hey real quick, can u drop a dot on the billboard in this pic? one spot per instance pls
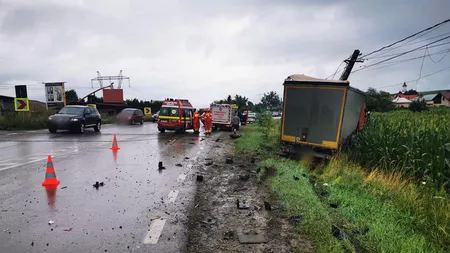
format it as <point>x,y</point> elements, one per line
<point>55,95</point>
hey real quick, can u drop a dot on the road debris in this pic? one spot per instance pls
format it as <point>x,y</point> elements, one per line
<point>186,158</point>
<point>209,163</point>
<point>64,187</point>
<point>199,178</point>
<point>156,218</point>
<point>242,204</point>
<point>160,166</point>
<point>50,222</point>
<point>228,235</point>
<point>209,221</point>
<point>179,165</point>
<point>67,229</point>
<point>338,233</point>
<point>97,185</point>
<point>251,238</point>
<point>229,160</point>
<point>244,177</point>
<point>296,219</point>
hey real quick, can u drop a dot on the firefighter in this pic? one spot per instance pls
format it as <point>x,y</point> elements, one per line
<point>196,122</point>
<point>208,121</point>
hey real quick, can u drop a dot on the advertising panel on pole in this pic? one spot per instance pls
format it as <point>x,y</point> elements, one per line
<point>55,95</point>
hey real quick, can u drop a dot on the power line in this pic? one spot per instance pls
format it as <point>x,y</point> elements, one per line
<point>439,59</point>
<point>388,64</point>
<point>407,52</point>
<point>407,44</point>
<point>392,85</point>
<point>424,30</point>
<point>335,72</point>
<point>389,55</point>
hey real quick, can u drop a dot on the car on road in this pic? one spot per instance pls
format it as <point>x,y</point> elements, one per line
<point>75,118</point>
<point>131,116</point>
<point>155,117</point>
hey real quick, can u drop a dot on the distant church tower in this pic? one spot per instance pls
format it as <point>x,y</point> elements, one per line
<point>404,88</point>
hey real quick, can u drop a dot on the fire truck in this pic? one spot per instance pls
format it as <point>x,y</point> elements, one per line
<point>176,115</point>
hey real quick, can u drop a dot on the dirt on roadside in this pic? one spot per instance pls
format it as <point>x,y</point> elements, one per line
<point>217,224</point>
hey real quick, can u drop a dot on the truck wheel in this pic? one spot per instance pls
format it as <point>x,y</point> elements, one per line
<point>162,130</point>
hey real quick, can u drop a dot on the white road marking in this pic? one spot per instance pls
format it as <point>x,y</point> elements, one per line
<point>172,196</point>
<point>32,161</point>
<point>155,232</point>
<point>181,178</point>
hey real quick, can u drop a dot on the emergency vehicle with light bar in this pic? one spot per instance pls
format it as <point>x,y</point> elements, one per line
<point>176,115</point>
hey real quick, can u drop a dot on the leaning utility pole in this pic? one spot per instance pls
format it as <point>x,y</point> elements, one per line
<point>350,63</point>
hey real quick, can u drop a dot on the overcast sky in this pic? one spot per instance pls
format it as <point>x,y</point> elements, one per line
<point>204,50</point>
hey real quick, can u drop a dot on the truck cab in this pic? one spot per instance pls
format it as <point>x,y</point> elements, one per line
<point>175,115</point>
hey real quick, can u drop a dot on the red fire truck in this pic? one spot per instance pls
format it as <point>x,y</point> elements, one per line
<point>175,114</point>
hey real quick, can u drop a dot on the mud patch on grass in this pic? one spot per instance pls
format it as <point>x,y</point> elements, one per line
<point>217,197</point>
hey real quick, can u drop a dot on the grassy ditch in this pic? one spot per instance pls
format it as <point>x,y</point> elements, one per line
<point>377,211</point>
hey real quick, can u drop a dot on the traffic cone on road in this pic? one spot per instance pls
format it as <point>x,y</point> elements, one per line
<point>50,175</point>
<point>114,144</point>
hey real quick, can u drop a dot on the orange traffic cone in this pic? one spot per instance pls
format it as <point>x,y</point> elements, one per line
<point>114,144</point>
<point>50,175</point>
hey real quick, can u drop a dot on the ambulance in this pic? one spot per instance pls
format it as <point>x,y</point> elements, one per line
<point>175,115</point>
<point>222,115</point>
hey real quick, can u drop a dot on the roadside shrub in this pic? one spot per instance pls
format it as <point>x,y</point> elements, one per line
<point>418,105</point>
<point>25,120</point>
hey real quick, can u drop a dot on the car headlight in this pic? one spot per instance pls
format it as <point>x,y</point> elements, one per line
<point>74,119</point>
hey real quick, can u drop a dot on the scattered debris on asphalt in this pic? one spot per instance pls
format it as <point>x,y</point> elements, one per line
<point>155,218</point>
<point>64,187</point>
<point>160,166</point>
<point>242,204</point>
<point>209,163</point>
<point>296,219</point>
<point>50,222</point>
<point>253,160</point>
<point>257,208</point>
<point>251,238</point>
<point>218,140</point>
<point>186,158</point>
<point>234,136</point>
<point>229,160</point>
<point>97,185</point>
<point>199,178</point>
<point>228,235</point>
<point>67,229</point>
<point>192,143</point>
<point>179,165</point>
<point>209,221</point>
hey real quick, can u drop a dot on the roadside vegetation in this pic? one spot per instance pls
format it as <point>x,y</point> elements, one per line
<point>34,120</point>
<point>389,198</point>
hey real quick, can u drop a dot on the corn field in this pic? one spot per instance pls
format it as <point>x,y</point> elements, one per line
<point>416,143</point>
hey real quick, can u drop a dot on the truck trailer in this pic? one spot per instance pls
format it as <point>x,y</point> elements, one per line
<point>319,115</point>
<point>222,115</point>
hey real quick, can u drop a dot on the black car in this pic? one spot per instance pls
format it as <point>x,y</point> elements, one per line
<point>75,118</point>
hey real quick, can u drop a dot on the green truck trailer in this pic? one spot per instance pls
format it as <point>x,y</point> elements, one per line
<point>319,115</point>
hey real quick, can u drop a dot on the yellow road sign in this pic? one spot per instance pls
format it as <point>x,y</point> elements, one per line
<point>147,111</point>
<point>21,104</point>
<point>92,105</point>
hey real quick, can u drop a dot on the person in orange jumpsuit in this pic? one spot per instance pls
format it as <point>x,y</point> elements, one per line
<point>208,121</point>
<point>196,122</point>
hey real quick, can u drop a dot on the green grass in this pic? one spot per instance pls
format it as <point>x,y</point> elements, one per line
<point>299,198</point>
<point>380,210</point>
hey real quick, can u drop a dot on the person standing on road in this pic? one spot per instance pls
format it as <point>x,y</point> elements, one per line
<point>235,121</point>
<point>208,121</point>
<point>196,122</point>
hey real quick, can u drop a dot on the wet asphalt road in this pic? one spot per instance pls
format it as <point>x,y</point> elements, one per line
<point>118,217</point>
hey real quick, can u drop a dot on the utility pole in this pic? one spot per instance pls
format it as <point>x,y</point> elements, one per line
<point>350,63</point>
